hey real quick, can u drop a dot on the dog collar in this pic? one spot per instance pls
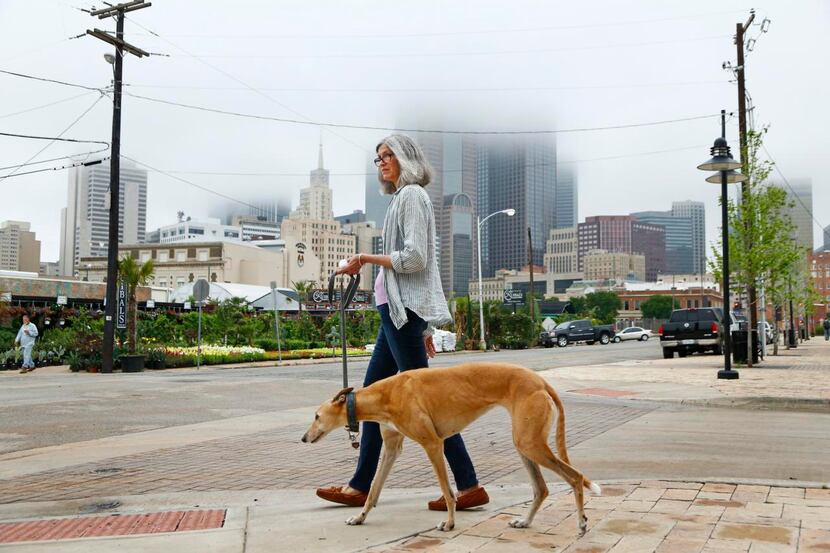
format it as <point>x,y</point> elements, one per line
<point>351,413</point>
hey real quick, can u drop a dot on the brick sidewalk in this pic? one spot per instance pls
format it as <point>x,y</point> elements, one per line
<point>791,374</point>
<point>654,516</point>
<point>276,459</point>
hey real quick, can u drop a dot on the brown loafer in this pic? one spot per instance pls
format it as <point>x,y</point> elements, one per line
<point>473,498</point>
<point>335,495</point>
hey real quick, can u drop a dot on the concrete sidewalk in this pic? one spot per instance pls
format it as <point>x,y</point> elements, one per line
<point>796,378</point>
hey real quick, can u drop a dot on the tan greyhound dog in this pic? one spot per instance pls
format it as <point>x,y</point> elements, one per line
<point>429,405</point>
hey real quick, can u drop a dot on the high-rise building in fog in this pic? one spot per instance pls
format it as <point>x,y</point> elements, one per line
<point>316,199</point>
<point>679,239</point>
<point>800,196</point>
<point>827,238</point>
<point>85,219</point>
<point>566,198</point>
<point>696,212</point>
<point>517,173</point>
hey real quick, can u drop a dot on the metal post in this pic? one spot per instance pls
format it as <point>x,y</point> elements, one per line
<point>199,338</point>
<point>726,372</point>
<point>277,322</point>
<point>482,344</point>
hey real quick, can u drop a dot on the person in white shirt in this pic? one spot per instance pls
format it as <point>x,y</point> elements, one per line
<point>26,338</point>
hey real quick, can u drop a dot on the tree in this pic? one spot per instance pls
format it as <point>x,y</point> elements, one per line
<point>658,307</point>
<point>761,244</point>
<point>604,306</point>
<point>134,275</point>
<point>302,287</point>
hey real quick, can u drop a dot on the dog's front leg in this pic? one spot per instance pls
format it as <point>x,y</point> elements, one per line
<point>392,446</point>
<point>435,452</point>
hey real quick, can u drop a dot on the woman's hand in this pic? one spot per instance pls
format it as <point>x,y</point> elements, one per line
<point>430,345</point>
<point>352,266</point>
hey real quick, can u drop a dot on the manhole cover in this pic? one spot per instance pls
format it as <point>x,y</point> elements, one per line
<point>99,507</point>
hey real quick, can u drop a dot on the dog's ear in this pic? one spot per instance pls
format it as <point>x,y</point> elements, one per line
<point>341,395</point>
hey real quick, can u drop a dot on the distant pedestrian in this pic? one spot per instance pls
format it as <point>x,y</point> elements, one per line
<point>827,327</point>
<point>26,338</point>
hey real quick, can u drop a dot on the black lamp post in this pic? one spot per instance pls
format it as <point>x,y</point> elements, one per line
<point>725,165</point>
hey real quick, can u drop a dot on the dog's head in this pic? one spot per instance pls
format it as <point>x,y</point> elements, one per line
<point>329,415</point>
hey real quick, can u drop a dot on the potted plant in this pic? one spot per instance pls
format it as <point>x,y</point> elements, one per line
<point>155,358</point>
<point>133,275</point>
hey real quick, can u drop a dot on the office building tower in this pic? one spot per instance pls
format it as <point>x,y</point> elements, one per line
<point>800,197</point>
<point>85,219</point>
<point>679,239</point>
<point>566,198</point>
<point>622,233</point>
<point>316,199</point>
<point>696,212</point>
<point>520,174</point>
<point>19,248</point>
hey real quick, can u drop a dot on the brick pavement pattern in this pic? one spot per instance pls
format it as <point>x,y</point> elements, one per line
<point>277,460</point>
<point>653,516</point>
<point>112,525</point>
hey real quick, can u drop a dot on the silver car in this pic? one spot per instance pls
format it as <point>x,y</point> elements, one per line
<point>632,333</point>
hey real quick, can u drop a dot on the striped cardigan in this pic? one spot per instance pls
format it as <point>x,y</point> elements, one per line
<point>409,239</point>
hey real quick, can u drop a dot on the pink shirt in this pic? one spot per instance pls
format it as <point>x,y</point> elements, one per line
<point>380,289</point>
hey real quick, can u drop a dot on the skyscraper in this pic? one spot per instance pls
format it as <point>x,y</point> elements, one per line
<point>679,239</point>
<point>376,201</point>
<point>696,211</point>
<point>800,196</point>
<point>518,174</point>
<point>566,198</point>
<point>827,238</point>
<point>315,200</point>
<point>85,219</point>
<point>622,233</point>
<point>19,249</point>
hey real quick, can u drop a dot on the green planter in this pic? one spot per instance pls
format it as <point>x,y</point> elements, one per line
<point>132,363</point>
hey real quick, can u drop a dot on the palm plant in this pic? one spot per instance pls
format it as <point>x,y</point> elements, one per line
<point>134,275</point>
<point>302,287</point>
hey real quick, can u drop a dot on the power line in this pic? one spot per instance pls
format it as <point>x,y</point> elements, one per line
<point>50,104</point>
<point>414,130</point>
<point>85,155</point>
<point>467,33</point>
<point>55,81</point>
<point>70,166</point>
<point>435,90</point>
<point>797,197</point>
<point>54,139</point>
<point>191,183</point>
<point>375,55</point>
<point>444,171</point>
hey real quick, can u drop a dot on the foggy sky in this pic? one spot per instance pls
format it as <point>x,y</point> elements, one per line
<point>553,65</point>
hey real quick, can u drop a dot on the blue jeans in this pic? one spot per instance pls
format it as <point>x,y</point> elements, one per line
<point>827,334</point>
<point>401,350</point>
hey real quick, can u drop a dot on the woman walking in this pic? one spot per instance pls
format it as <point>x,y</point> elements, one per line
<point>410,299</point>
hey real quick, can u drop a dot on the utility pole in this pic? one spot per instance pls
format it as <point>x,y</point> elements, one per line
<point>740,29</point>
<point>118,12</point>
<point>530,266</point>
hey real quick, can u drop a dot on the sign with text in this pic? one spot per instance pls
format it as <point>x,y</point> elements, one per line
<point>514,296</point>
<point>121,316</point>
<point>62,300</point>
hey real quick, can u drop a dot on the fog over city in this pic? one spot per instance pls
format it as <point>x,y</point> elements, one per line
<point>455,66</point>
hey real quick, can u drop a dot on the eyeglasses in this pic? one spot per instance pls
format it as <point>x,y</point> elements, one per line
<point>385,158</point>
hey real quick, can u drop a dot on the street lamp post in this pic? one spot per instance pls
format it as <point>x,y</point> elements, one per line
<point>482,344</point>
<point>725,165</point>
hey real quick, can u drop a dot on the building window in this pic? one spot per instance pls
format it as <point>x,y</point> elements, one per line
<point>164,257</point>
<point>144,256</point>
<point>202,255</point>
<point>181,256</point>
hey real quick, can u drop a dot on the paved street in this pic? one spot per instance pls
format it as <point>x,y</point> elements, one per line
<point>227,439</point>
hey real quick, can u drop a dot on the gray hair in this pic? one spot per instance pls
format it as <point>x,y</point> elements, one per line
<point>415,169</point>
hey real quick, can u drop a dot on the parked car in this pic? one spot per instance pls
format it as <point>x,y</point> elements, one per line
<point>632,333</point>
<point>571,332</point>
<point>692,330</point>
<point>768,332</point>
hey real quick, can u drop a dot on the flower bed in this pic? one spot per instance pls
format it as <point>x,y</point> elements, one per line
<point>211,355</point>
<point>317,353</point>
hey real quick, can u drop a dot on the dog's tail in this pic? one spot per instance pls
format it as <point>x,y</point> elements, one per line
<point>561,447</point>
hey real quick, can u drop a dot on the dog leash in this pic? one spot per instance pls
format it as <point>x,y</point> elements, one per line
<point>346,297</point>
